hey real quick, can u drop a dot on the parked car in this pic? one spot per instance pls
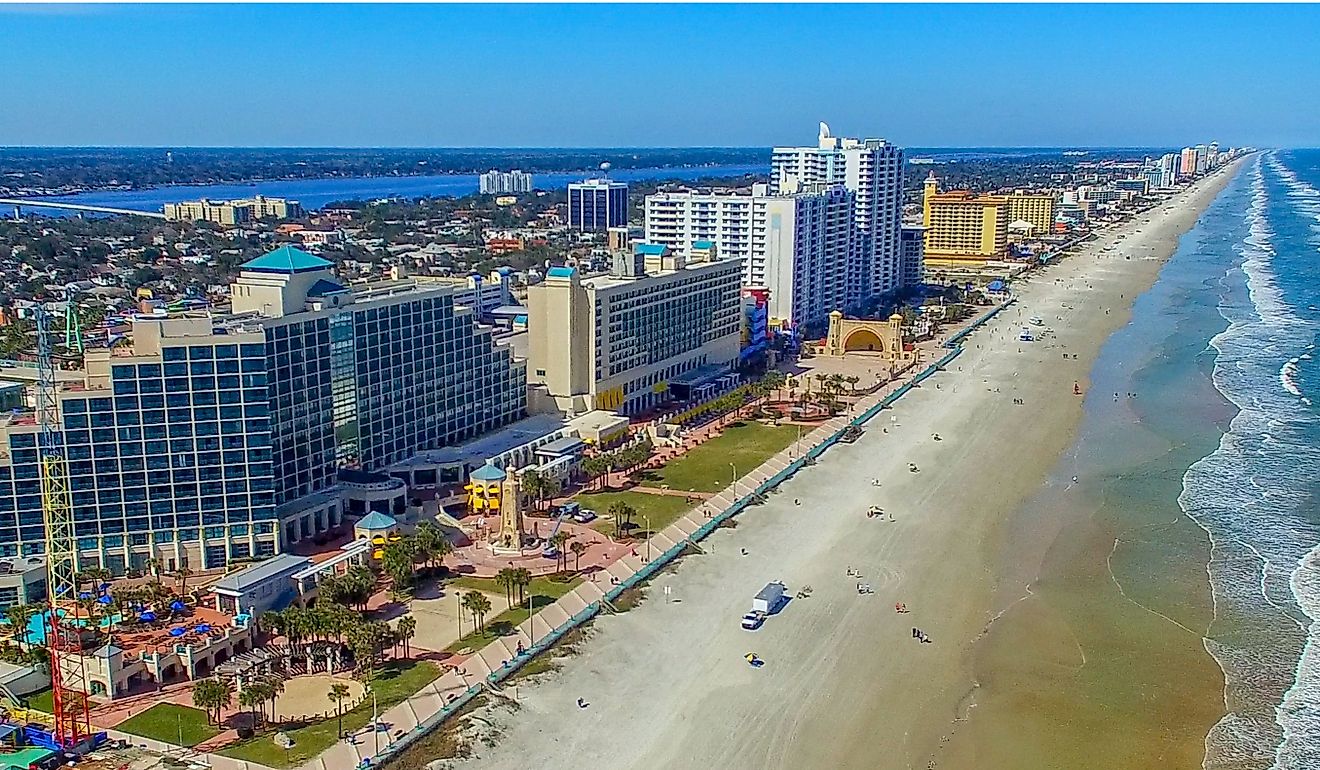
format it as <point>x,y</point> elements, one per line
<point>584,516</point>
<point>753,620</point>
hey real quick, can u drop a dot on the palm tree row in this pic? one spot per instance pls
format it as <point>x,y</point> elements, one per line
<point>477,606</point>
<point>514,580</point>
<point>626,459</point>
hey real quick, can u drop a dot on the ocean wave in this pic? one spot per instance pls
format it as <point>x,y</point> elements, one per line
<point>1246,495</point>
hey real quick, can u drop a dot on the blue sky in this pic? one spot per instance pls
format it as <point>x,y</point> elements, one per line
<point>641,75</point>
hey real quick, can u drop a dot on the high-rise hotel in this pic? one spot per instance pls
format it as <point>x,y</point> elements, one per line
<point>207,438</point>
<point>872,169</point>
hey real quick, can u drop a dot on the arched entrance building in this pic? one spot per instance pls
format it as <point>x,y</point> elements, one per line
<point>880,339</point>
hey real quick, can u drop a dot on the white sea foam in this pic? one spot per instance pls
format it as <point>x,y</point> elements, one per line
<point>1246,495</point>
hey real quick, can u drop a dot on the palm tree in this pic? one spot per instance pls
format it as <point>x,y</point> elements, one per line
<point>558,541</point>
<point>406,628</point>
<point>272,687</point>
<point>213,696</point>
<point>250,698</point>
<point>623,514</point>
<point>397,561</point>
<point>18,616</point>
<point>522,579</point>
<point>506,580</point>
<point>182,574</point>
<point>534,485</point>
<point>467,603</point>
<point>479,605</point>
<point>338,692</point>
<point>427,542</point>
<point>578,549</point>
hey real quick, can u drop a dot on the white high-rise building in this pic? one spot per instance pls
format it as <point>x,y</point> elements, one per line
<point>801,247</point>
<point>1170,168</point>
<point>499,182</point>
<point>873,170</point>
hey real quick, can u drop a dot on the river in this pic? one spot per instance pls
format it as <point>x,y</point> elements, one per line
<point>315,193</point>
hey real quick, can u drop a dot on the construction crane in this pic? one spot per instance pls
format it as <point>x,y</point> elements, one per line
<point>68,673</point>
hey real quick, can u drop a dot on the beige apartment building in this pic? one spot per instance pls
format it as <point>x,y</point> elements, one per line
<point>234,212</point>
<point>657,327</point>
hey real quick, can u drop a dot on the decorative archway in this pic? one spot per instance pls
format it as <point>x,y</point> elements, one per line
<point>863,339</point>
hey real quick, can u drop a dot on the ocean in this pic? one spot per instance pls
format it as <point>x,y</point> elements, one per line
<point>1256,494</point>
<point>1204,409</point>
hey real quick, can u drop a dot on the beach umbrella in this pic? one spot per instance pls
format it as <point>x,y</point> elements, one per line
<point>178,606</point>
<point>85,595</point>
<point>178,631</point>
<point>202,628</point>
<point>105,587</point>
<point>105,600</point>
<point>147,616</point>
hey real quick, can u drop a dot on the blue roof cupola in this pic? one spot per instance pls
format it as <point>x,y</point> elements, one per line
<point>287,259</point>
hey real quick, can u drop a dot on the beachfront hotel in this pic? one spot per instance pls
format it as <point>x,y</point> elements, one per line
<point>1036,209</point>
<point>872,169</point>
<point>800,246</point>
<point>208,437</point>
<point>656,327</point>
<point>963,228</point>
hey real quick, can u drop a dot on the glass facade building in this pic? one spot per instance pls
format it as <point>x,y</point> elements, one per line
<point>211,438</point>
<point>597,204</point>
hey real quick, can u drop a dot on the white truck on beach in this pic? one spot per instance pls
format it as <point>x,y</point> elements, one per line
<point>766,601</point>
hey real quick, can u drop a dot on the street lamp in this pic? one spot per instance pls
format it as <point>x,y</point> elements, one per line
<point>734,468</point>
<point>649,533</point>
<point>375,724</point>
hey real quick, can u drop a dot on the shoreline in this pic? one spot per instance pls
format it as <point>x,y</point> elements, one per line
<point>670,673</point>
<point>1121,586</point>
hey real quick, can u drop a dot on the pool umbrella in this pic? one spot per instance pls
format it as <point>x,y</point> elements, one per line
<point>105,600</point>
<point>202,628</point>
<point>178,606</point>
<point>178,631</point>
<point>147,616</point>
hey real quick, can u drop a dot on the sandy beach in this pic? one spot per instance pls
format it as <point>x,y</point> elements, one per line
<point>845,684</point>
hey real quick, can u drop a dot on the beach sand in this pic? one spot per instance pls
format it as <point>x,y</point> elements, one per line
<point>845,685</point>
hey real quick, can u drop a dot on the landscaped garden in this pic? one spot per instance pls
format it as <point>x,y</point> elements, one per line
<point>662,510</point>
<point>171,723</point>
<point>711,466</point>
<point>392,683</point>
<point>520,600</point>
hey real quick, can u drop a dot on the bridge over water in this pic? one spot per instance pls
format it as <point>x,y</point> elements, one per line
<point>36,203</point>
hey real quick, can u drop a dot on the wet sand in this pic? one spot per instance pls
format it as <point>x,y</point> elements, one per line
<point>845,685</point>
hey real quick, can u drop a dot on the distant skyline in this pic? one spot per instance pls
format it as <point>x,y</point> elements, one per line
<point>653,76</point>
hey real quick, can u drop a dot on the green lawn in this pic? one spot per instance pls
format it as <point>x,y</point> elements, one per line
<point>171,723</point>
<point>43,701</point>
<point>394,683</point>
<point>663,510</point>
<point>706,468</point>
<point>541,592</point>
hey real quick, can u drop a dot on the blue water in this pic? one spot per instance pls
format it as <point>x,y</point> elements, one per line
<point>1256,494</point>
<point>315,193</point>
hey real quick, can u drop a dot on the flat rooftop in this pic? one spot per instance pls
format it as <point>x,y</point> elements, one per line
<point>480,449</point>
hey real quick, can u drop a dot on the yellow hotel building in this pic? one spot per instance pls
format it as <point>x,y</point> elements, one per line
<point>1038,209</point>
<point>963,229</point>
